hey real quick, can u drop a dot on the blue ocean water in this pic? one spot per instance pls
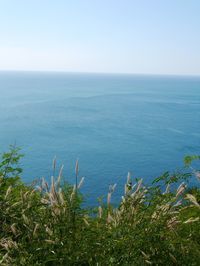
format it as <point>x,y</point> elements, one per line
<point>112,123</point>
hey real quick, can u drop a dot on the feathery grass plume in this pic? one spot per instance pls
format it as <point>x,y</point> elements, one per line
<point>77,172</point>
<point>139,185</point>
<point>32,192</point>
<point>54,166</point>
<point>59,176</point>
<point>25,218</point>
<point>44,201</point>
<point>123,199</point>
<point>35,229</point>
<point>197,175</point>
<point>53,193</point>
<point>100,211</point>
<point>167,190</point>
<point>13,229</point>
<point>145,255</point>
<point>49,231</point>
<point>180,189</point>
<point>112,188</point>
<point>8,191</point>
<point>110,191</point>
<point>6,260</point>
<point>39,188</point>
<point>81,182</point>
<point>73,193</point>
<point>173,258</point>
<point>26,194</point>
<point>192,199</point>
<point>192,220</point>
<point>85,219</point>
<point>160,210</point>
<point>172,223</point>
<point>178,203</point>
<point>8,244</point>
<point>109,198</point>
<point>128,185</point>
<point>61,197</point>
<point>109,218</point>
<point>43,184</point>
<point>128,178</point>
<point>148,262</point>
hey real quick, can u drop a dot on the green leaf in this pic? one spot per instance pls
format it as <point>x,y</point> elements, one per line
<point>189,159</point>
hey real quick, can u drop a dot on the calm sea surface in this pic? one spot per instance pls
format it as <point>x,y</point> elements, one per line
<point>112,123</point>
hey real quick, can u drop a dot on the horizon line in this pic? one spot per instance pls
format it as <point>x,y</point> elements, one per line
<point>100,73</point>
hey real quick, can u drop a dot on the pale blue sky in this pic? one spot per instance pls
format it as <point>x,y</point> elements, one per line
<point>127,36</point>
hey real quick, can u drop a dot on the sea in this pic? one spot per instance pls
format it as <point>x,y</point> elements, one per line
<point>112,123</point>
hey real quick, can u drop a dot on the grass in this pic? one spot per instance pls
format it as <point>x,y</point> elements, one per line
<point>45,224</point>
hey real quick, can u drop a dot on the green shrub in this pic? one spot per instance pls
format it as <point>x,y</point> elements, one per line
<point>47,225</point>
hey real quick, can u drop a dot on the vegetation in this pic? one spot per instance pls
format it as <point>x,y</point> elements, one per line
<point>47,225</point>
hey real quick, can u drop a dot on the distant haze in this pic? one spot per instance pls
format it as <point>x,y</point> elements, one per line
<point>110,36</point>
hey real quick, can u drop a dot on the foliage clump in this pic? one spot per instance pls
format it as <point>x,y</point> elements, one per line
<point>47,225</point>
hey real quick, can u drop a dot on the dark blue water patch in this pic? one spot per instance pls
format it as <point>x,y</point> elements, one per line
<point>112,123</point>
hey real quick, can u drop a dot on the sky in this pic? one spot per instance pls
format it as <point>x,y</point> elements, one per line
<point>109,36</point>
